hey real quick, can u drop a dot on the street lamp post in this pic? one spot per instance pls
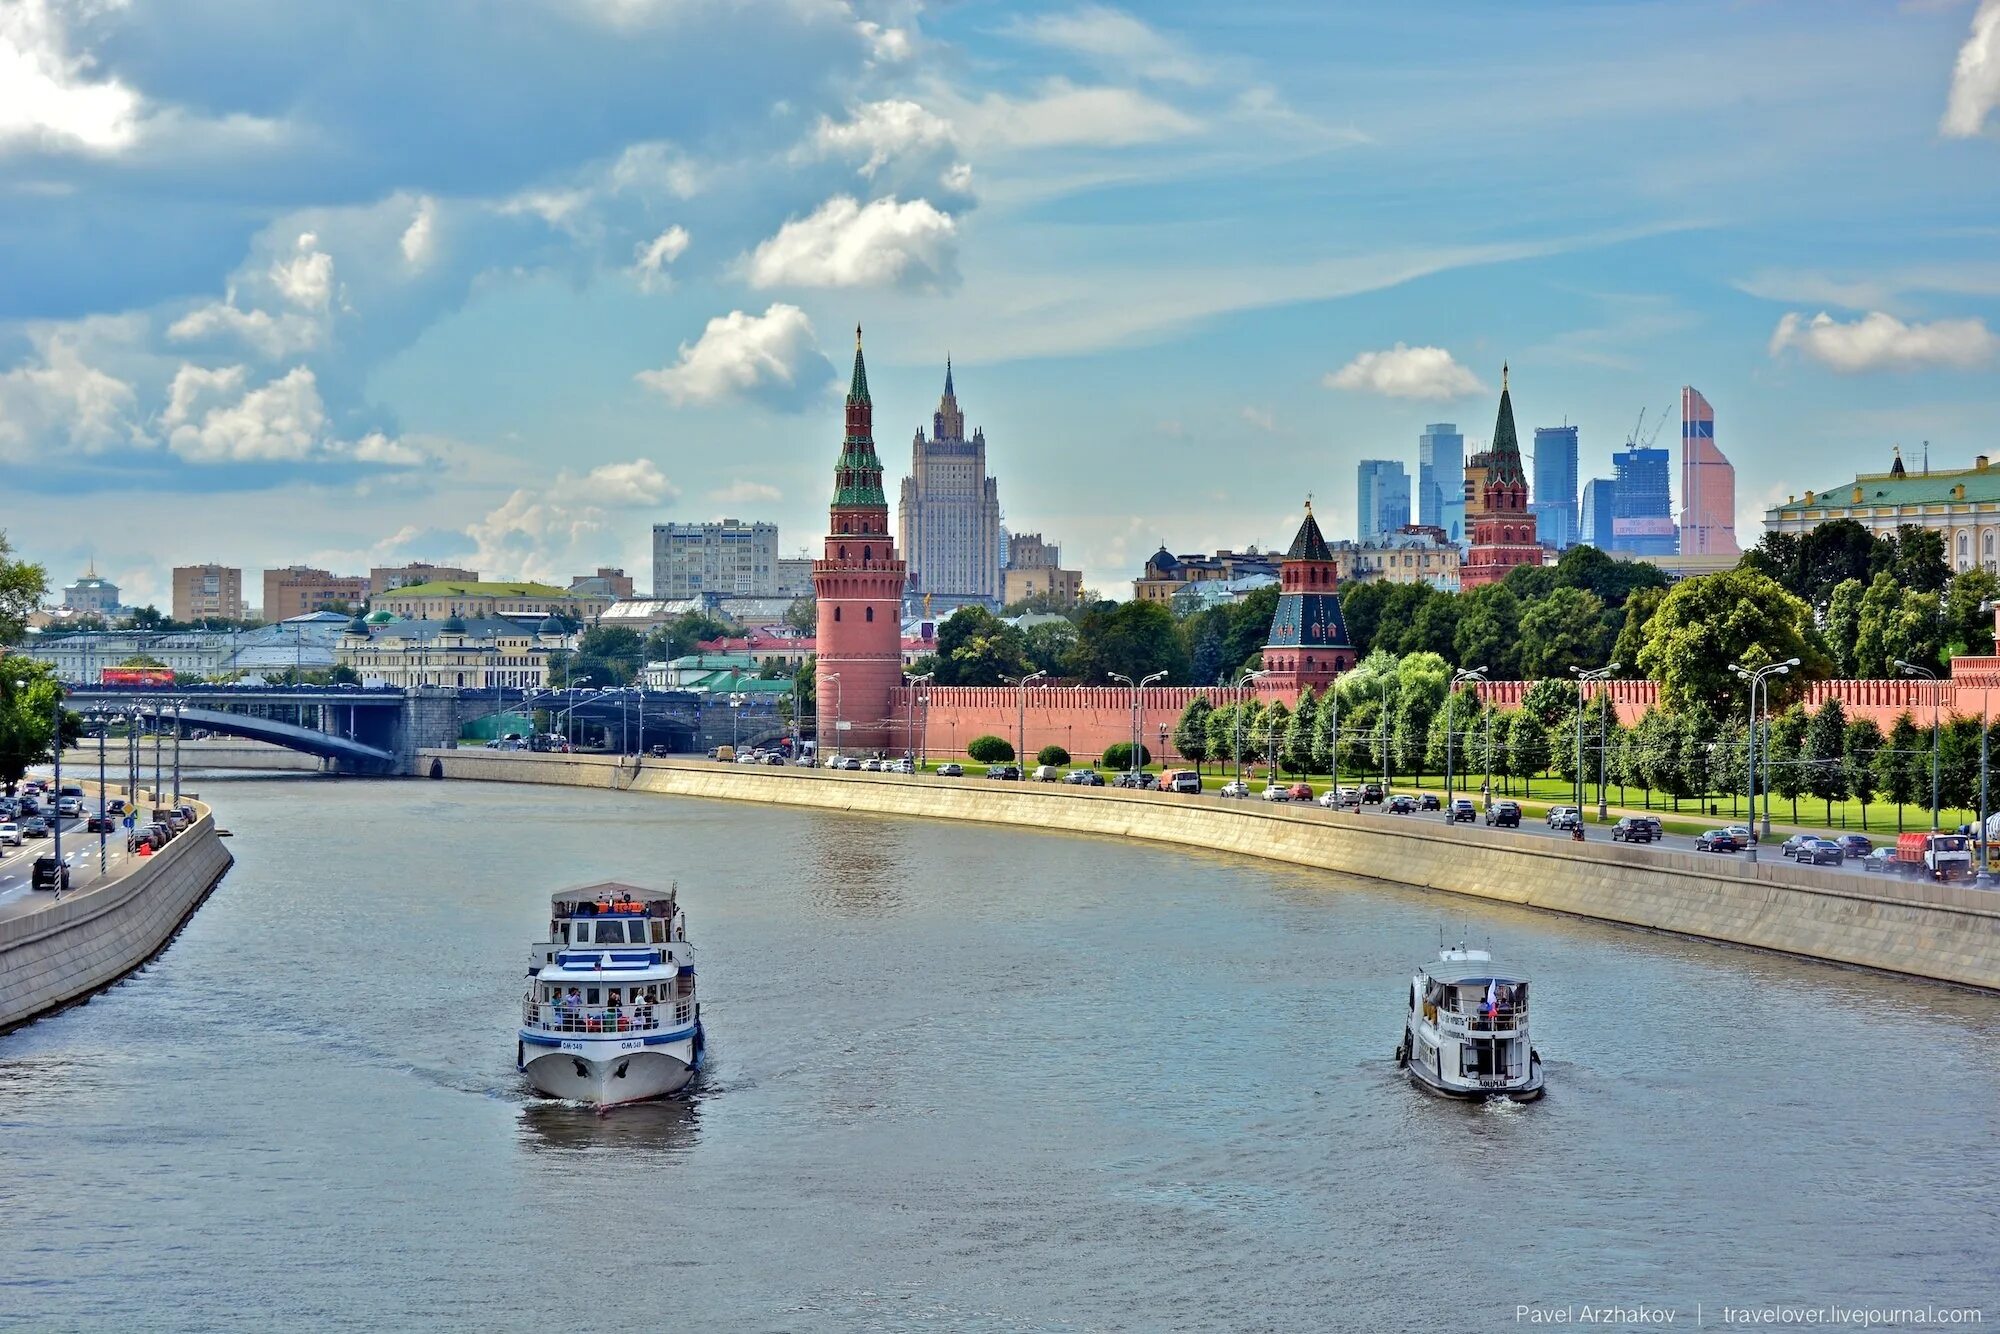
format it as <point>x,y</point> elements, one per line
<point>910,717</point>
<point>103,825</point>
<point>177,750</point>
<point>1599,675</point>
<point>1382,733</point>
<point>1760,679</point>
<point>1237,731</point>
<point>1937,735</point>
<point>1138,745</point>
<point>735,706</point>
<point>1463,676</point>
<point>1021,716</point>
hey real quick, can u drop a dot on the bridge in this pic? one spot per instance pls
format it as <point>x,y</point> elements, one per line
<point>379,730</point>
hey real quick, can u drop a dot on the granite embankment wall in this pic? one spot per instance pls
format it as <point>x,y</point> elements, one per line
<point>61,952</point>
<point>212,753</point>
<point>1941,932</point>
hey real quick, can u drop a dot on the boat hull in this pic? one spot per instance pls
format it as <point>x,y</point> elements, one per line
<point>605,1071</point>
<point>1424,1078</point>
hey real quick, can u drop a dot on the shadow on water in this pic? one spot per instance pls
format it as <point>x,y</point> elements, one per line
<point>669,1127</point>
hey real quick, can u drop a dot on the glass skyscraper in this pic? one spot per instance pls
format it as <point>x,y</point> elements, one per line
<point>1642,521</point>
<point>1600,504</point>
<point>1554,500</point>
<point>1381,498</point>
<point>1441,479</point>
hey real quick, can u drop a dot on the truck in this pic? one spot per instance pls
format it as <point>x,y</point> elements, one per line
<point>1935,855</point>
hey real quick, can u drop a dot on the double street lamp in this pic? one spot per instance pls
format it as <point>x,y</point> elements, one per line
<point>1242,681</point>
<point>1599,675</point>
<point>1463,676</point>
<point>1937,734</point>
<point>56,749</point>
<point>1021,718</point>
<point>1138,737</point>
<point>1759,679</point>
<point>916,684</point>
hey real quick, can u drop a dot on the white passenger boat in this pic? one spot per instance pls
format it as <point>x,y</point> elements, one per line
<point>1466,1034</point>
<point>611,1015</point>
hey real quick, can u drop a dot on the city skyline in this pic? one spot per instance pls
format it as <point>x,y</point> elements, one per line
<point>514,343</point>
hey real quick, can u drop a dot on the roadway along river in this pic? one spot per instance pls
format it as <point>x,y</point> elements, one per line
<point>963,1079</point>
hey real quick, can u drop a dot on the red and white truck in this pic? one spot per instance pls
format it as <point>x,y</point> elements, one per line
<point>1935,856</point>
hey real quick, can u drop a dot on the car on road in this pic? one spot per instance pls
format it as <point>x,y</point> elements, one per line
<point>1633,829</point>
<point>1883,859</point>
<point>50,874</point>
<point>1504,815</point>
<point>1564,817</point>
<point>1302,792</point>
<point>1333,798</point>
<point>1350,798</point>
<point>1371,793</point>
<point>35,827</point>
<point>69,808</point>
<point>1463,811</point>
<point>1820,852</point>
<point>848,762</point>
<point>1047,773</point>
<point>1791,846</point>
<point>1184,781</point>
<point>1742,834</point>
<point>1855,845</point>
<point>1428,801</point>
<point>1278,792</point>
<point>1084,778</point>
<point>871,765</point>
<point>1401,804</point>
<point>1139,778</point>
<point>27,806</point>
<point>1004,773</point>
<point>99,823</point>
<point>10,834</point>
<point>1717,840</point>
<point>116,806</point>
<point>1235,787</point>
<point>950,770</point>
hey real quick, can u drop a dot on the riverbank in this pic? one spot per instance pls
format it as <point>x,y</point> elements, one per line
<point>232,753</point>
<point>56,952</point>
<point>1937,932</point>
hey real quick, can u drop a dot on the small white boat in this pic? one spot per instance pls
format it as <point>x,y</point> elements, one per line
<point>611,1015</point>
<point>1466,1034</point>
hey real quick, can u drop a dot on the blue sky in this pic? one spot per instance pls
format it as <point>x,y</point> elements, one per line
<point>508,283</point>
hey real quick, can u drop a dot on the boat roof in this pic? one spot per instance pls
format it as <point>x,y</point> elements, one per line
<point>613,890</point>
<point>1468,970</point>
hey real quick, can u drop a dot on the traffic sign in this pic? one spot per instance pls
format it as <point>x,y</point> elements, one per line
<point>129,821</point>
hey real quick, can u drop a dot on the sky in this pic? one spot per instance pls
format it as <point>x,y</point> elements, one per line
<point>507,283</point>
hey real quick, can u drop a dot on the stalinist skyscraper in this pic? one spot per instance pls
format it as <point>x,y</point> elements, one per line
<point>949,528</point>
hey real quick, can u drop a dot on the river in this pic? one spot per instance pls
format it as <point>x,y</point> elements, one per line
<point>963,1078</point>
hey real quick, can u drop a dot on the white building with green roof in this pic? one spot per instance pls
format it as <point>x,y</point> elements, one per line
<point>471,599</point>
<point>1963,504</point>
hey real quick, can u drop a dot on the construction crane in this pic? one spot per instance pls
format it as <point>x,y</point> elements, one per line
<point>1639,438</point>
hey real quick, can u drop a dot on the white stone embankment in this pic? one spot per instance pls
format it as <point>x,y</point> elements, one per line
<point>1941,932</point>
<point>53,953</point>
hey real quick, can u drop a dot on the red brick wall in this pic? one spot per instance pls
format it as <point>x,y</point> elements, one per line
<point>1083,720</point>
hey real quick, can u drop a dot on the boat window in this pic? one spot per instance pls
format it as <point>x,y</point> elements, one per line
<point>591,996</point>
<point>611,933</point>
<point>565,933</point>
<point>659,931</point>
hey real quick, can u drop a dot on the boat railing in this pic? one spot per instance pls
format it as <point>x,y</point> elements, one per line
<point>557,1017</point>
<point>1502,1021</point>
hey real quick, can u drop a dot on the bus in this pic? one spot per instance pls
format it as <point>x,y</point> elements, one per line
<point>158,677</point>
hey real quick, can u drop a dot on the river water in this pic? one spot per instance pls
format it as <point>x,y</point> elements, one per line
<point>963,1079</point>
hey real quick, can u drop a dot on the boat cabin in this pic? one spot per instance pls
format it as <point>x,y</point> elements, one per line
<point>616,961</point>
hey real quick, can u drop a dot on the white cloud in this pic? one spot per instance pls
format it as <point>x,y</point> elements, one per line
<point>48,97</point>
<point>306,278</point>
<point>419,241</point>
<point>957,178</point>
<point>1405,372</point>
<point>654,168</point>
<point>272,335</point>
<point>740,492</point>
<point>64,403</point>
<point>1114,38</point>
<point>212,418</point>
<point>889,46</point>
<point>549,532</point>
<point>650,258</point>
<point>879,131</point>
<point>1879,342</point>
<point>560,209</point>
<point>767,357</point>
<point>1975,82</point>
<point>1261,418</point>
<point>1066,116</point>
<point>846,244</point>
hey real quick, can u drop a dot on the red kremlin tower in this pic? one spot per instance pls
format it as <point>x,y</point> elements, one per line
<point>1496,505</point>
<point>858,585</point>
<point>1308,644</point>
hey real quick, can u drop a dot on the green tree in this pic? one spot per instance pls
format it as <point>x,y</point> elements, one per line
<point>1362,605</point>
<point>1325,736</point>
<point>1958,764</point>
<point>1132,639</point>
<point>1489,631</point>
<point>1826,755</point>
<point>1896,764</point>
<point>1054,756</point>
<point>1048,646</point>
<point>1191,731</point>
<point>1843,624</point>
<point>1221,729</point>
<point>1608,579</point>
<point>1450,737</point>
<point>1417,701</point>
<point>803,616</point>
<point>1707,623</point>
<point>29,695</point>
<point>1299,732</point>
<point>990,749</point>
<point>1787,741</point>
<point>977,648</point>
<point>606,656</point>
<point>1631,637</point>
<point>1858,750</point>
<point>1653,754</point>
<point>1528,748</point>
<point>683,635</point>
<point>1563,630</point>
<point>1249,629</point>
<point>1916,559</point>
<point>1968,630</point>
<point>1206,664</point>
<point>1550,699</point>
<point>1118,755</point>
<point>1272,733</point>
<point>22,588</point>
